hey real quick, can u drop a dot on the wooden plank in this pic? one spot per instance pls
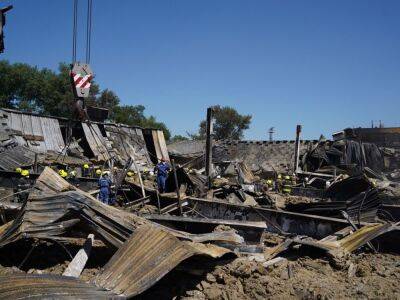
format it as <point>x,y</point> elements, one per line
<point>76,266</point>
<point>162,144</point>
<point>156,144</point>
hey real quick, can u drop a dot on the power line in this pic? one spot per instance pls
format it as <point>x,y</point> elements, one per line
<point>88,29</point>
<point>74,30</point>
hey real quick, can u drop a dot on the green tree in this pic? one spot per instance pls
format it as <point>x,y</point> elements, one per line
<point>44,91</point>
<point>228,124</point>
<point>108,99</point>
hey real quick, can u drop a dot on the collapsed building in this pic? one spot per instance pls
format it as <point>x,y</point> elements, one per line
<point>266,206</point>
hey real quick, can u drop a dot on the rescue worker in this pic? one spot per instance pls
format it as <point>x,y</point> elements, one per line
<point>86,170</point>
<point>161,169</point>
<point>287,185</point>
<point>279,183</point>
<point>63,173</point>
<point>23,185</point>
<point>72,173</point>
<point>105,188</point>
<point>270,184</point>
<point>25,173</point>
<point>72,177</point>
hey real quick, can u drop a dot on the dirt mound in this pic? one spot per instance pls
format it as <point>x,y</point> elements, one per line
<point>363,276</point>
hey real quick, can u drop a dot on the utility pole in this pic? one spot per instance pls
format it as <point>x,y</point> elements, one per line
<point>297,149</point>
<point>2,23</point>
<point>209,131</point>
<point>178,194</point>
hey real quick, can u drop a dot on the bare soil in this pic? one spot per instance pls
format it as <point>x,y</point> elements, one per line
<point>363,276</point>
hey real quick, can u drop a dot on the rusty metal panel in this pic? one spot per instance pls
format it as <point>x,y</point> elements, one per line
<point>145,247</point>
<point>96,141</point>
<point>35,286</point>
<point>143,258</point>
<point>149,254</point>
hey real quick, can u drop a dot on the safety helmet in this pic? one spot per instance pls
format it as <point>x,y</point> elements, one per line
<point>25,173</point>
<point>86,166</point>
<point>98,171</point>
<point>63,173</point>
<point>269,181</point>
<point>130,174</point>
<point>18,170</point>
<point>279,176</point>
<point>287,177</point>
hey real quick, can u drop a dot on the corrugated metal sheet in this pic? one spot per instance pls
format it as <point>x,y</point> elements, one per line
<point>97,142</point>
<point>145,257</point>
<point>129,142</point>
<point>54,206</point>
<point>15,122</point>
<point>52,134</point>
<point>146,246</point>
<point>16,157</point>
<point>35,286</point>
<point>40,134</point>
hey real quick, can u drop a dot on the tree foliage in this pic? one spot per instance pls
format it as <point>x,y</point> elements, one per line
<point>44,91</point>
<point>228,124</point>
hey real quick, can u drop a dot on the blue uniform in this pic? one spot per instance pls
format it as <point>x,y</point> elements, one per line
<point>105,186</point>
<point>161,169</point>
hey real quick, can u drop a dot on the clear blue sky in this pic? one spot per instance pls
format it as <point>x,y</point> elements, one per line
<point>324,64</point>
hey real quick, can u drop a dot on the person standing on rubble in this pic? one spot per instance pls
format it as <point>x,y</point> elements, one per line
<point>161,169</point>
<point>105,188</point>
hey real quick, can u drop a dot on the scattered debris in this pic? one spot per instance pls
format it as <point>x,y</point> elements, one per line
<point>258,224</point>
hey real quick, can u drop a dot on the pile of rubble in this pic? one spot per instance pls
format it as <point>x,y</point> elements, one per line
<point>320,223</point>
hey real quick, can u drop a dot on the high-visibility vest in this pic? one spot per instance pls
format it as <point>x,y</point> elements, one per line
<point>25,173</point>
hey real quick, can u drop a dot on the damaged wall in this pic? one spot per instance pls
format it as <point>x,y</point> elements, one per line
<point>259,156</point>
<point>41,134</point>
<point>99,141</point>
